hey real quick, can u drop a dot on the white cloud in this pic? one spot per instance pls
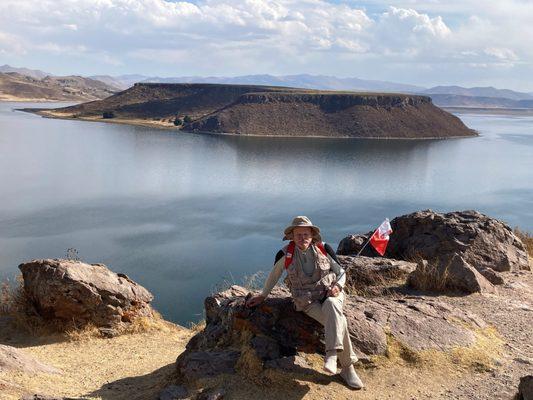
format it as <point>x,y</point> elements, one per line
<point>276,36</point>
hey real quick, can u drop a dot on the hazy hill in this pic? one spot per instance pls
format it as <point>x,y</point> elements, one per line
<point>480,92</point>
<point>14,86</point>
<point>452,100</point>
<point>34,73</point>
<point>273,111</point>
<point>321,82</point>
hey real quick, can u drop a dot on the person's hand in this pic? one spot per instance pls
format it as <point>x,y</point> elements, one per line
<point>334,291</point>
<point>255,300</point>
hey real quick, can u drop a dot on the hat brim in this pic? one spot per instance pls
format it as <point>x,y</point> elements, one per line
<point>288,232</point>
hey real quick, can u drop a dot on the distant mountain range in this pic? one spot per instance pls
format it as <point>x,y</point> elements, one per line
<point>17,87</point>
<point>34,73</point>
<point>444,96</point>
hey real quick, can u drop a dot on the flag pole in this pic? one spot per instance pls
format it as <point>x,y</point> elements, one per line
<point>343,270</point>
<point>368,241</point>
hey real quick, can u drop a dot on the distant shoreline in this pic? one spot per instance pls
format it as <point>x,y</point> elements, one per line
<point>489,110</point>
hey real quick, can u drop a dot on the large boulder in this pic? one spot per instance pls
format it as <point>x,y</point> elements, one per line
<point>14,359</point>
<point>372,275</point>
<point>273,333</point>
<point>455,244</point>
<point>83,293</point>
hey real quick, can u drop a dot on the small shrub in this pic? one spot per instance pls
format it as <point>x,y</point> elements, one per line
<point>526,238</point>
<point>187,119</point>
<point>178,122</point>
<point>108,114</point>
<point>428,276</point>
<point>72,254</point>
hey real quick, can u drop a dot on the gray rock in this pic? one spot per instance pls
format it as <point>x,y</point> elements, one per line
<point>174,392</point>
<point>290,363</point>
<point>276,333</point>
<point>15,359</point>
<point>525,388</point>
<point>194,365</point>
<point>213,394</point>
<point>364,272</point>
<point>457,274</point>
<point>83,293</point>
<point>485,244</point>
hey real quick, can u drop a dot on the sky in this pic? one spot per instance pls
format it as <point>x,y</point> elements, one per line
<point>427,43</point>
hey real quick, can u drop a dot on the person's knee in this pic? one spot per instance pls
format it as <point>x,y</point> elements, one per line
<point>332,303</point>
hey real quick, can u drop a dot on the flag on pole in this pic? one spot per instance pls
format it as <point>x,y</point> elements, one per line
<point>380,237</point>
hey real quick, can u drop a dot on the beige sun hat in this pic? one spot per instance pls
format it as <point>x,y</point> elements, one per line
<point>302,221</point>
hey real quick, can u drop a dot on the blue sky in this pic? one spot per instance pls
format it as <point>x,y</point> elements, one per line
<point>469,43</point>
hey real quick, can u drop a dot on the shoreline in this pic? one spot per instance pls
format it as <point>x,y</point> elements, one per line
<point>489,110</point>
<point>160,125</point>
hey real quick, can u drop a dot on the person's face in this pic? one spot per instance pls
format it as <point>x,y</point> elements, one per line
<point>303,237</point>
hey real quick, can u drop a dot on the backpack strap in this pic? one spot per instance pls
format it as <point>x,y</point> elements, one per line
<point>289,254</point>
<point>321,247</point>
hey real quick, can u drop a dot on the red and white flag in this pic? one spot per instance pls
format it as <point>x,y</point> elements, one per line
<point>380,238</point>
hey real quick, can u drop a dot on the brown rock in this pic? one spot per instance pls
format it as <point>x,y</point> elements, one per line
<point>276,333</point>
<point>15,359</point>
<point>83,293</point>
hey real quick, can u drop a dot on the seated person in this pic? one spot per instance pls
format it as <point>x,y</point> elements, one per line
<point>312,277</point>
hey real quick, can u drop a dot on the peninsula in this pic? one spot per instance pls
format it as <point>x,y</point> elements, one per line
<point>254,110</point>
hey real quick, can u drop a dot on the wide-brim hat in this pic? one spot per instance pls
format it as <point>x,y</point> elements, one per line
<point>302,221</point>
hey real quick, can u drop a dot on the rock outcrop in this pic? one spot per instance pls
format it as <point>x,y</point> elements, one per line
<point>367,274</point>
<point>15,359</point>
<point>83,293</point>
<point>466,248</point>
<point>273,333</point>
<point>332,114</point>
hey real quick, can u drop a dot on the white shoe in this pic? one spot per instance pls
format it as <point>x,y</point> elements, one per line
<point>330,364</point>
<point>351,378</point>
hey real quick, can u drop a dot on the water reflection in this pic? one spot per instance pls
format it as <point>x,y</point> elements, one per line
<point>182,212</point>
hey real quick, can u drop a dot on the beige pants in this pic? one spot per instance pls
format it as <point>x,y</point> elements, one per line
<point>329,313</point>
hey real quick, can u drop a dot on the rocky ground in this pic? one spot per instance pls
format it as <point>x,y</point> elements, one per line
<point>417,339</point>
<point>138,366</point>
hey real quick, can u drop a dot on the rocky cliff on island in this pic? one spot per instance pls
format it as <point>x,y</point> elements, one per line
<point>272,111</point>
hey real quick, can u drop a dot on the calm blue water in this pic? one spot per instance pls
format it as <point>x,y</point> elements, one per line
<point>181,213</point>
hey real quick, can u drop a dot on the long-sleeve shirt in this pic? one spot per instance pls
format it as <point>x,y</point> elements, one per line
<point>279,266</point>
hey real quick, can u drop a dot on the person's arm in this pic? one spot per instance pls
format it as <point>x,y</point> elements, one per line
<point>271,281</point>
<point>331,252</point>
<point>338,270</point>
<point>273,277</point>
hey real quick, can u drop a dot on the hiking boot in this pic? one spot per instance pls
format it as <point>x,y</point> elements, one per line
<point>351,378</point>
<point>330,364</point>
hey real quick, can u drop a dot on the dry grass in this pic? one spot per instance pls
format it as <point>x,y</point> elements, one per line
<point>17,306</point>
<point>526,238</point>
<point>480,357</point>
<point>428,276</point>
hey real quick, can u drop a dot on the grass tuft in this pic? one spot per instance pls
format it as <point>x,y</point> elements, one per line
<point>526,238</point>
<point>428,276</point>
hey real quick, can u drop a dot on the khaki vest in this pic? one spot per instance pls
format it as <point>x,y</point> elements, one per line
<point>306,289</point>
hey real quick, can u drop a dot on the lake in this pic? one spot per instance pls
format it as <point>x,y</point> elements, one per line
<point>184,214</point>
